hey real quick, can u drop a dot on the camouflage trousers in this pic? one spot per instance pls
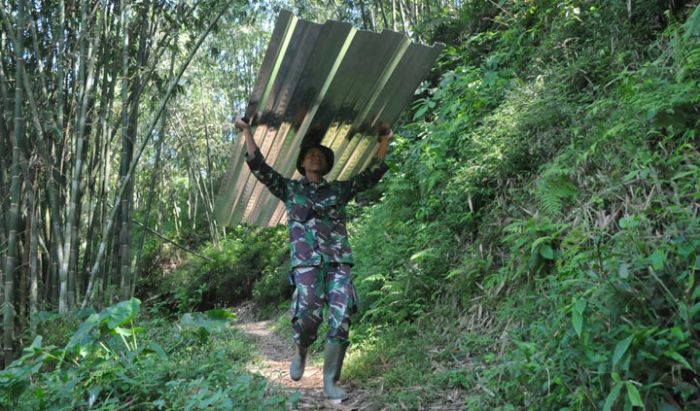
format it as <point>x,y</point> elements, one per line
<point>314,288</point>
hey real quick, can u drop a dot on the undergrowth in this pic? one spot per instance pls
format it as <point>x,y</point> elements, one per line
<point>249,263</point>
<point>114,360</point>
<point>538,242</point>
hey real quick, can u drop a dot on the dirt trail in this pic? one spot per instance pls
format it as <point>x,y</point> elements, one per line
<point>273,359</point>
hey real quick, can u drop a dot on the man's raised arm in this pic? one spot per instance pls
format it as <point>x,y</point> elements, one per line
<point>249,141</point>
<point>374,172</point>
<point>384,136</point>
<point>274,181</point>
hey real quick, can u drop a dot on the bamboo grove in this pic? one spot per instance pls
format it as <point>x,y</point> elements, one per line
<point>86,88</point>
<point>82,89</point>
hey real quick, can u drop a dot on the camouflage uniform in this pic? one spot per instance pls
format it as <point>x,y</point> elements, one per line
<point>320,251</point>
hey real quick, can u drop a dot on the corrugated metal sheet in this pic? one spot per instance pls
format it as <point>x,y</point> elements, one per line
<point>329,80</point>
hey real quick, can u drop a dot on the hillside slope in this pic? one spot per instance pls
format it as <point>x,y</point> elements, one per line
<point>537,243</point>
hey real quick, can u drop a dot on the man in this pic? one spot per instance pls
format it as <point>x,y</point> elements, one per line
<point>320,252</point>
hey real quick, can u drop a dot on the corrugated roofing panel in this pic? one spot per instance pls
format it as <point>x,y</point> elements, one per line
<point>333,80</point>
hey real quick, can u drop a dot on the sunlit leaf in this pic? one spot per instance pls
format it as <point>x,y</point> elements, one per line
<point>121,313</point>
<point>220,314</point>
<point>692,25</point>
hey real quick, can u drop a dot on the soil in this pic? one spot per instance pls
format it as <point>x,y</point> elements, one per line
<point>272,362</point>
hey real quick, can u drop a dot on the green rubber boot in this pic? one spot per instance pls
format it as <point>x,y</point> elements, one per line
<point>332,364</point>
<point>296,368</point>
<point>343,349</point>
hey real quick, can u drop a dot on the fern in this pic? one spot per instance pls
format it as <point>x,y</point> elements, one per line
<point>553,189</point>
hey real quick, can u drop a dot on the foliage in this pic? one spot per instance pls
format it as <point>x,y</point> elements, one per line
<point>249,262</point>
<point>115,361</point>
<point>543,204</point>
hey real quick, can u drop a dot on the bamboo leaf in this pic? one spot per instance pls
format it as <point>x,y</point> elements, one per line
<point>621,349</point>
<point>694,310</point>
<point>633,395</point>
<point>679,358</point>
<point>696,293</point>
<point>577,316</point>
<point>610,400</point>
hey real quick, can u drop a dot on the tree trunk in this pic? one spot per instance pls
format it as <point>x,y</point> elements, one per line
<point>33,256</point>
<point>86,81</point>
<point>12,249</point>
<point>365,24</point>
<point>403,19</point>
<point>128,139</point>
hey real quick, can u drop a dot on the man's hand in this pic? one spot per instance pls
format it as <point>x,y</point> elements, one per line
<point>385,134</point>
<point>241,124</point>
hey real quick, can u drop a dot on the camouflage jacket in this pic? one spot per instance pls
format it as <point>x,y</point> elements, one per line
<point>316,211</point>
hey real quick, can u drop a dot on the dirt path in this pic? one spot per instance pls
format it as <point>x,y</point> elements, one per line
<point>273,363</point>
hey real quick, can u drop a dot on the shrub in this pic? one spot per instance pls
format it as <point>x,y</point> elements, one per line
<point>228,272</point>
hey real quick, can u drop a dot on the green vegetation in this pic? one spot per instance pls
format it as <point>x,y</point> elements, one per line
<point>538,243</point>
<point>115,360</point>
<point>249,263</point>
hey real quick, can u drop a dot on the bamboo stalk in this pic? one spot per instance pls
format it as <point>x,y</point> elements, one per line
<point>128,142</point>
<point>33,257</point>
<point>120,207</point>
<point>210,179</point>
<point>86,79</point>
<point>12,246</point>
<point>403,19</point>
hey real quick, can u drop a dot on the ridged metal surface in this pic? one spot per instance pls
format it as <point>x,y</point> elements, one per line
<point>328,80</point>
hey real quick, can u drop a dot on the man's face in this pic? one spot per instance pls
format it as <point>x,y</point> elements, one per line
<point>314,161</point>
